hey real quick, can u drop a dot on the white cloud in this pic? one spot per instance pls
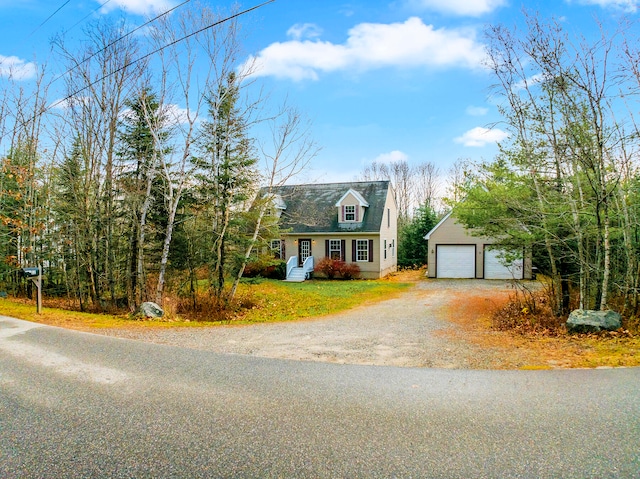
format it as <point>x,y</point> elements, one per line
<point>480,136</point>
<point>392,157</point>
<point>372,46</point>
<point>473,8</point>
<point>477,110</point>
<point>304,30</point>
<point>16,68</point>
<point>139,7</point>
<point>531,81</point>
<point>66,103</point>
<point>630,6</point>
<point>174,114</point>
<point>177,114</point>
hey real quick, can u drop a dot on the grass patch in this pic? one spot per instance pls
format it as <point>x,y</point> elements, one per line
<point>258,301</point>
<point>279,301</point>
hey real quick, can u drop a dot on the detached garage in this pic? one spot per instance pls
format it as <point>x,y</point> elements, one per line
<point>454,253</point>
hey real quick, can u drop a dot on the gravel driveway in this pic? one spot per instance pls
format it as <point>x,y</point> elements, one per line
<point>409,331</point>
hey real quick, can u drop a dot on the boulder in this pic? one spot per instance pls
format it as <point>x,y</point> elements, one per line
<point>150,310</point>
<point>589,321</point>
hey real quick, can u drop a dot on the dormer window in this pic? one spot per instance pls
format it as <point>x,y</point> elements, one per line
<point>350,213</point>
<point>351,209</point>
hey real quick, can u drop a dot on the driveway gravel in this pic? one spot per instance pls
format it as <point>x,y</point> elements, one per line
<point>412,330</point>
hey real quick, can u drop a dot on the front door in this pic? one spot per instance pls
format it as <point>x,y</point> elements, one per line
<point>304,250</point>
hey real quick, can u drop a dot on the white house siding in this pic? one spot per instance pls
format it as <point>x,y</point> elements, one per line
<point>368,269</point>
<point>389,232</point>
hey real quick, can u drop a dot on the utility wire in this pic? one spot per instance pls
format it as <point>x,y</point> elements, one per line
<point>143,57</point>
<point>49,18</point>
<point>148,55</point>
<point>86,16</point>
<point>121,38</point>
<point>39,26</point>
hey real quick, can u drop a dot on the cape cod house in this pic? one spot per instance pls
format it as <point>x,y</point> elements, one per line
<point>354,222</point>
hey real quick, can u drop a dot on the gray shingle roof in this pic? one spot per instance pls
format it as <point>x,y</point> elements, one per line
<point>312,208</point>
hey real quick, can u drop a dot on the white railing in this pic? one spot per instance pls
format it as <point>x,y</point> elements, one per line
<point>307,267</point>
<point>291,263</point>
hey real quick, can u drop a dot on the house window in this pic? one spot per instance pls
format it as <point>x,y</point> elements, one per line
<point>276,248</point>
<point>388,217</point>
<point>385,249</point>
<point>335,249</point>
<point>350,213</point>
<point>362,250</point>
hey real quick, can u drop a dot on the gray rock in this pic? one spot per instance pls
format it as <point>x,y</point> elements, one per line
<point>150,310</point>
<point>589,321</point>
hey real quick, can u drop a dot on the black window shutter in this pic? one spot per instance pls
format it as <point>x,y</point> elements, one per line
<point>342,250</point>
<point>370,251</point>
<point>326,248</point>
<point>353,251</point>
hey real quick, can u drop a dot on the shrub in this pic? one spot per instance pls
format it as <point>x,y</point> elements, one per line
<point>266,268</point>
<point>333,268</point>
<point>350,271</point>
<point>329,267</point>
<point>529,314</point>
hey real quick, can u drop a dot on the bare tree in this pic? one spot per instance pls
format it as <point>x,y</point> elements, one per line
<point>287,154</point>
<point>100,78</point>
<point>457,178</point>
<point>190,71</point>
<point>426,184</point>
<point>565,136</point>
<point>375,172</point>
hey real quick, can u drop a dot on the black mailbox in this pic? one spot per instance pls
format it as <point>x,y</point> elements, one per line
<point>30,272</point>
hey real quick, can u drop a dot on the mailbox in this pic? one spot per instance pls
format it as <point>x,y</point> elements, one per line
<point>30,272</point>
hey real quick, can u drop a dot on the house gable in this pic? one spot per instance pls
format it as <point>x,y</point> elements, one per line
<point>351,209</point>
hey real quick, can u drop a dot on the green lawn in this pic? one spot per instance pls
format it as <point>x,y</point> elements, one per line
<point>279,301</point>
<point>261,301</point>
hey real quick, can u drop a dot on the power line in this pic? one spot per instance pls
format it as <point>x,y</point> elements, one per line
<point>147,55</point>
<point>86,16</point>
<point>121,38</point>
<point>49,17</point>
<point>39,26</point>
<point>143,57</point>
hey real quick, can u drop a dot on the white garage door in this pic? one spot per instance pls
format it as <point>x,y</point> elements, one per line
<point>495,269</point>
<point>456,261</point>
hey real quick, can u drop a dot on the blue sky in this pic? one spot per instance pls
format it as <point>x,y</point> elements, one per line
<point>381,80</point>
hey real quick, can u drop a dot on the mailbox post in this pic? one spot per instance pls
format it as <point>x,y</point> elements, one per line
<point>35,275</point>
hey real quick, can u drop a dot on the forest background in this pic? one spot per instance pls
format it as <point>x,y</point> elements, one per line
<point>136,199</point>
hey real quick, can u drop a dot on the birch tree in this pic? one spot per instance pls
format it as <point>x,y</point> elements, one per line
<point>561,100</point>
<point>285,154</point>
<point>191,67</point>
<point>100,78</point>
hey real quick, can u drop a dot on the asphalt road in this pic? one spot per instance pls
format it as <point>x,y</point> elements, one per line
<point>80,405</point>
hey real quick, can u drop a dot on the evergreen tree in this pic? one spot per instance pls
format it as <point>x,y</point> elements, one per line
<point>412,247</point>
<point>227,179</point>
<point>139,184</point>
